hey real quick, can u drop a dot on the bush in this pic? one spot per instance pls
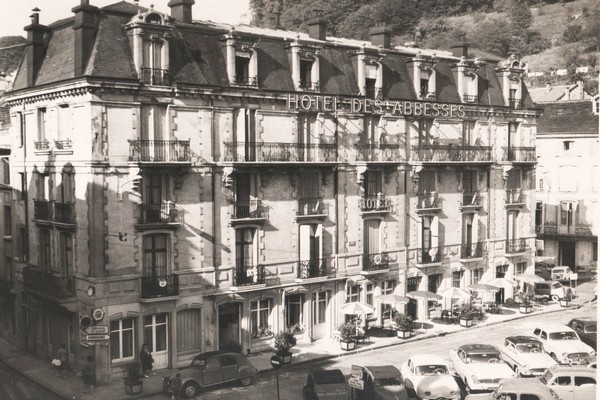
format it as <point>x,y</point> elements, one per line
<point>403,322</point>
<point>283,342</point>
<point>571,33</point>
<point>347,330</point>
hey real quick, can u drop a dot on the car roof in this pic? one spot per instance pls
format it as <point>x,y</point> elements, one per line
<point>478,348</point>
<point>424,359</point>
<point>520,384</point>
<point>325,376</point>
<point>553,327</point>
<point>584,320</point>
<point>383,371</point>
<point>556,369</point>
<point>522,339</point>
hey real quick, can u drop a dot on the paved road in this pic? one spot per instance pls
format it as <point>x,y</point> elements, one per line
<point>292,378</point>
<point>14,386</point>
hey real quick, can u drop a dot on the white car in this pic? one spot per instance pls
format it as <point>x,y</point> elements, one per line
<point>563,344</point>
<point>526,356</point>
<point>428,375</point>
<point>518,389</point>
<point>480,366</point>
<point>571,383</point>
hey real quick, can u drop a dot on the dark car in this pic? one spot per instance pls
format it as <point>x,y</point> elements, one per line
<point>211,368</point>
<point>383,382</point>
<point>586,329</point>
<point>325,384</point>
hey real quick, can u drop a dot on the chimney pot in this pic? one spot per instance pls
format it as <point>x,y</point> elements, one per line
<point>317,26</point>
<point>181,10</point>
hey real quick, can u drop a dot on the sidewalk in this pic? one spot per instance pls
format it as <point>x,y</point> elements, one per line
<point>41,372</point>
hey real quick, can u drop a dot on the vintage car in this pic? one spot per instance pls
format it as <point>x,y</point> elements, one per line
<point>325,384</point>
<point>525,355</point>
<point>518,389</point>
<point>571,383</point>
<point>553,290</point>
<point>563,344</point>
<point>382,382</point>
<point>211,368</point>
<point>587,330</point>
<point>480,366</point>
<point>428,375</point>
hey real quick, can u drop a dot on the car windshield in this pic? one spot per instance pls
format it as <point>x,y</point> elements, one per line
<point>482,357</point>
<point>557,285</point>
<point>432,370</point>
<point>590,328</point>
<point>529,348</point>
<point>387,382</point>
<point>327,377</point>
<point>547,377</point>
<point>563,335</point>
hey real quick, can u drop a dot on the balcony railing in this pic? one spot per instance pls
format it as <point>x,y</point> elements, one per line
<point>155,76</point>
<point>64,213</point>
<point>452,153</point>
<point>160,286</point>
<point>250,81</point>
<point>519,154</point>
<point>309,86</point>
<point>60,287</point>
<point>428,200</point>
<point>250,209</point>
<point>515,104</point>
<point>470,98</point>
<point>552,229</point>
<point>312,268</point>
<point>471,199</point>
<point>160,151</point>
<point>279,152</point>
<point>42,210</point>
<point>516,246</point>
<point>375,203</point>
<point>379,152</point>
<point>429,255</point>
<point>307,207</point>
<point>376,262</point>
<point>41,145</point>
<point>428,95</point>
<point>515,197</point>
<point>473,250</point>
<point>245,274</point>
<point>166,213</point>
<point>65,144</point>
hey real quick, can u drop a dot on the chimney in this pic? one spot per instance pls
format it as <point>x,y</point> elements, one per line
<point>567,95</point>
<point>461,47</point>
<point>35,46</point>
<point>580,90</point>
<point>381,35</point>
<point>85,30</point>
<point>181,10</point>
<point>317,26</point>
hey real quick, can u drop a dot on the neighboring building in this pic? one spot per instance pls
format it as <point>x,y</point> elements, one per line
<point>196,187</point>
<point>567,179</point>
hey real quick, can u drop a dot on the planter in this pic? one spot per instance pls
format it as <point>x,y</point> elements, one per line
<point>525,308</point>
<point>466,322</point>
<point>347,344</point>
<point>403,334</point>
<point>133,387</point>
<point>564,302</point>
<point>286,357</point>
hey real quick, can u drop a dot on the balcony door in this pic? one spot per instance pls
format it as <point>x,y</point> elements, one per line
<point>245,133</point>
<point>307,135</point>
<point>320,327</point>
<point>311,251</point>
<point>156,198</point>
<point>155,257</point>
<point>246,255</point>
<point>153,133</point>
<point>308,193</point>
<point>156,336</point>
<point>371,238</point>
<point>373,184</point>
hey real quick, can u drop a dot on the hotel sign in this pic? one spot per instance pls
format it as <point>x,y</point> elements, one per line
<point>321,103</point>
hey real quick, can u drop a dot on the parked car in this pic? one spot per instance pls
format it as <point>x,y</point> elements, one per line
<point>526,355</point>
<point>429,376</point>
<point>553,290</point>
<point>586,329</point>
<point>480,366</point>
<point>325,384</point>
<point>212,368</point>
<point>383,382</point>
<point>571,383</point>
<point>563,343</point>
<point>518,389</point>
<point>561,273</point>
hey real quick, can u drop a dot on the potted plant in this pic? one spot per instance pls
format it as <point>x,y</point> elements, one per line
<point>347,332</point>
<point>131,379</point>
<point>296,329</point>
<point>403,324</point>
<point>466,317</point>
<point>283,342</point>
<point>525,306</point>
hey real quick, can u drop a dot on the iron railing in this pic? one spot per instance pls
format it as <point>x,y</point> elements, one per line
<point>250,81</point>
<point>166,213</point>
<point>472,250</point>
<point>311,207</point>
<point>429,255</point>
<point>519,154</point>
<point>41,145</point>
<point>452,153</point>
<point>375,203</point>
<point>160,151</point>
<point>312,268</point>
<point>516,246</point>
<point>155,76</point>
<point>428,95</point>
<point>379,152</point>
<point>64,213</point>
<point>472,199</point>
<point>375,261</point>
<point>277,152</point>
<point>65,144</point>
<point>60,287</point>
<point>160,286</point>
<point>42,210</point>
<point>309,86</point>
<point>552,229</point>
<point>250,209</point>
<point>247,274</point>
<point>428,200</point>
<point>515,197</point>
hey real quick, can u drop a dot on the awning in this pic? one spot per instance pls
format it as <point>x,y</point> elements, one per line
<point>295,289</point>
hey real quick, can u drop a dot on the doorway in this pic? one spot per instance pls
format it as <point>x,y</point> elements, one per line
<point>320,301</point>
<point>567,254</point>
<point>156,335</point>
<point>229,326</point>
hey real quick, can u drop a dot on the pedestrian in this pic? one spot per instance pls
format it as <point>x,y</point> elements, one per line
<point>89,375</point>
<point>147,360</point>
<point>176,386</point>
<point>63,356</point>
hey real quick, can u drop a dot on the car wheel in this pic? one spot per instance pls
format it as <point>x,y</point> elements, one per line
<point>190,390</point>
<point>554,297</point>
<point>247,381</point>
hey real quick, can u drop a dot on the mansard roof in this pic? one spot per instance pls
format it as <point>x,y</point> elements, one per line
<point>568,117</point>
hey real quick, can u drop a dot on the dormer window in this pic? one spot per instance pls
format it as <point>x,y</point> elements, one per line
<point>369,73</point>
<point>305,66</point>
<point>242,65</point>
<point>424,87</point>
<point>465,73</point>
<point>422,70</point>
<point>242,70</point>
<point>510,74</point>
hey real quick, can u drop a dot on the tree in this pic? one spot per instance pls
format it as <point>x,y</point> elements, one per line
<point>492,36</point>
<point>571,33</point>
<point>520,17</point>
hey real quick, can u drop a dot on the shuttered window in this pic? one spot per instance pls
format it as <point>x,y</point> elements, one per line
<point>188,330</point>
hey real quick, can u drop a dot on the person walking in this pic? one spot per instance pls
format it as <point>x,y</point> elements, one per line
<point>89,375</point>
<point>63,356</point>
<point>147,360</point>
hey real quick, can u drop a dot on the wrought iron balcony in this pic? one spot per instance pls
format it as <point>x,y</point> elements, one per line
<point>160,151</point>
<point>249,81</point>
<point>280,152</point>
<point>452,153</point>
<point>155,76</point>
<point>376,262</point>
<point>471,200</point>
<point>250,209</point>
<point>42,210</point>
<point>378,152</point>
<point>59,287</point>
<point>428,201</point>
<point>516,246</point>
<point>375,203</point>
<point>64,213</point>
<point>519,154</point>
<point>166,213</point>
<point>551,229</point>
<point>432,255</point>
<point>472,250</point>
<point>515,197</point>
<point>470,98</point>
<point>160,286</point>
<point>312,268</point>
<point>309,86</point>
<point>65,144</point>
<point>41,145</point>
<point>308,207</point>
<point>246,274</point>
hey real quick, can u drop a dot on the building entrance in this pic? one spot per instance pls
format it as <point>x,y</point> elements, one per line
<point>229,326</point>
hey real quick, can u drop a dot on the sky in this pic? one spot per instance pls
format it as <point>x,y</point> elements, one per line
<point>16,17</point>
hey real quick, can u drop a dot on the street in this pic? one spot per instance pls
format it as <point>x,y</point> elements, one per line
<point>14,386</point>
<point>292,378</point>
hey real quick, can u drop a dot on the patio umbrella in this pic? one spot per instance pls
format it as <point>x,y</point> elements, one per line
<point>455,293</point>
<point>423,294</point>
<point>392,299</point>
<point>501,282</point>
<point>484,287</point>
<point>356,307</point>
<point>530,278</point>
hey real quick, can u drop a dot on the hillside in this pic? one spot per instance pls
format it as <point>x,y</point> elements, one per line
<point>11,53</point>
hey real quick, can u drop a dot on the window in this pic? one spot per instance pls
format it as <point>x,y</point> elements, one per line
<point>567,211</point>
<point>23,244</point>
<point>245,248</point>
<point>520,268</point>
<point>369,294</point>
<point>156,205</point>
<point>43,187</point>
<point>370,88</point>
<point>155,260</point>
<point>372,237</point>
<point>245,132</point>
<point>513,128</point>
<point>66,188</point>
<point>7,220</point>
<point>528,396</point>
<point>584,380</point>
<point>23,179</point>
<point>319,307</point>
<point>352,293</point>
<point>373,185</point>
<point>42,122</point>
<point>426,233</point>
<point>307,136</point>
<point>427,181</point>
<point>154,51</point>
<point>122,340</point>
<point>5,170</point>
<point>372,130</point>
<point>563,380</point>
<point>21,124</point>
<point>456,278</point>
<point>311,248</point>
<point>66,253</point>
<point>425,126</point>
<point>188,326</point>
<point>567,145</point>
<point>476,275</point>
<point>306,66</point>
<point>468,132</point>
<point>259,316</point>
<point>153,128</point>
<point>469,181</point>
<point>308,193</point>
<point>293,309</point>
<point>156,332</point>
<point>45,255</point>
<point>387,287</point>
<point>242,69</point>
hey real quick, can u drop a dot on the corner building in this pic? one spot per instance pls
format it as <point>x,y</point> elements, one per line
<point>198,186</point>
